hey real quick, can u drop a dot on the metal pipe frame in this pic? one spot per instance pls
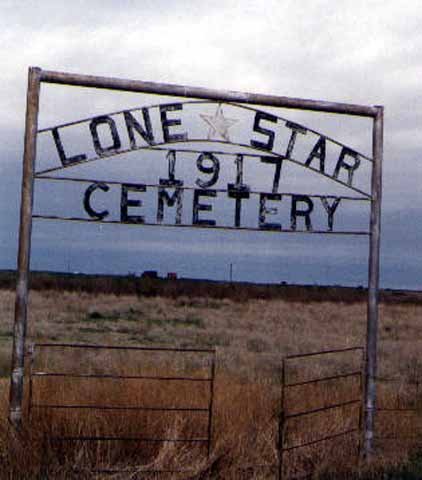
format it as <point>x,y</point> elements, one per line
<point>24,249</point>
<point>322,352</point>
<point>107,83</point>
<point>373,284</point>
<point>37,75</point>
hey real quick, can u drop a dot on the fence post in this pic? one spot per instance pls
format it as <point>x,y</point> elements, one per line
<point>281,422</point>
<point>211,406</point>
<point>31,354</point>
<point>24,252</point>
<point>373,283</point>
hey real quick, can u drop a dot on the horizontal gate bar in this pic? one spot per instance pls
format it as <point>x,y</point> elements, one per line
<point>120,377</point>
<point>397,409</point>
<point>322,409</point>
<point>133,471</point>
<point>108,83</point>
<point>323,379</point>
<point>409,439</point>
<point>110,407</point>
<point>322,352</point>
<point>323,439</point>
<point>127,439</point>
<point>118,347</point>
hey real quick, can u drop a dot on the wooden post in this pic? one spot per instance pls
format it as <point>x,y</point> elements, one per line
<point>24,252</point>
<point>373,284</point>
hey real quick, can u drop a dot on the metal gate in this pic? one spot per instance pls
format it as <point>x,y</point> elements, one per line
<point>340,372</point>
<point>65,379</point>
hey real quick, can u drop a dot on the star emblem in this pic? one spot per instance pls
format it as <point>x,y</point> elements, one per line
<point>219,124</point>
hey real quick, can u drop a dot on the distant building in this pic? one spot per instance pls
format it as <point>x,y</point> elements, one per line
<point>172,276</point>
<point>150,274</point>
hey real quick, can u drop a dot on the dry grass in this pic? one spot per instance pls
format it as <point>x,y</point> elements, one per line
<point>250,337</point>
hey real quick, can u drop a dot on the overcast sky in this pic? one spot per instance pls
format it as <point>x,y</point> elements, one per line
<point>363,52</point>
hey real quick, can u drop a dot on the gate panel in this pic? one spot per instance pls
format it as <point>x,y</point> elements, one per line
<point>321,409</point>
<point>154,405</point>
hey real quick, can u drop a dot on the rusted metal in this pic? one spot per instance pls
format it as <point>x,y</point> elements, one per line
<point>121,347</point>
<point>373,283</point>
<point>205,93</point>
<point>99,438</point>
<point>324,379</point>
<point>285,416</point>
<point>323,352</point>
<point>322,439</point>
<point>398,409</point>
<point>24,252</point>
<point>323,409</point>
<point>122,377</point>
<point>118,407</point>
<point>199,410</point>
<point>133,472</point>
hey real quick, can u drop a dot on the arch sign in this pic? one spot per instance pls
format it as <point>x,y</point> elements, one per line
<point>174,131</point>
<point>214,159</point>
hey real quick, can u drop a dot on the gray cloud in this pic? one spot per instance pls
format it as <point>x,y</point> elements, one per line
<point>360,52</point>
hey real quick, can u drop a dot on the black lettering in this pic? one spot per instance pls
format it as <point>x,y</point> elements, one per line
<point>238,194</point>
<point>126,202</point>
<point>164,197</point>
<point>318,152</point>
<point>201,207</point>
<point>167,123</point>
<point>116,144</point>
<point>264,131</point>
<point>350,168</point>
<point>239,185</point>
<point>87,200</point>
<point>306,212</point>
<point>264,211</point>
<point>66,161</point>
<point>171,180</point>
<point>278,164</point>
<point>213,170</point>
<point>330,209</point>
<point>295,128</point>
<point>133,125</point>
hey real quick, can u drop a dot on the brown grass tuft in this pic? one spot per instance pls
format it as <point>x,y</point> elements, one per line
<point>251,336</point>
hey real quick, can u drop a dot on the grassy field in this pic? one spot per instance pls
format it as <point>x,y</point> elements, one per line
<point>251,333</point>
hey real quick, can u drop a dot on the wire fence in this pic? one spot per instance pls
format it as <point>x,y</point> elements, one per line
<point>399,415</point>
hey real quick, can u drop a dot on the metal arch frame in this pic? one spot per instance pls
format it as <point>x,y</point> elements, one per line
<point>36,76</point>
<point>167,146</point>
